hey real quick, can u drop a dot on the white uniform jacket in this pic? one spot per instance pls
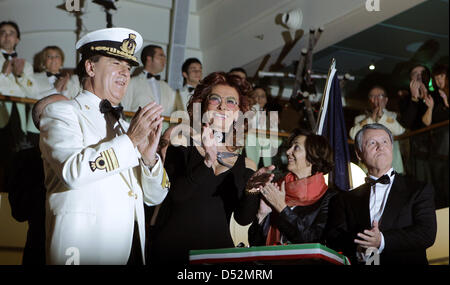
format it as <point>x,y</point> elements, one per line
<point>18,87</point>
<point>183,97</point>
<point>389,120</point>
<point>96,184</point>
<point>140,93</point>
<point>43,88</point>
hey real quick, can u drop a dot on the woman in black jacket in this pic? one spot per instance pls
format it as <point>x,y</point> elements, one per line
<point>295,210</point>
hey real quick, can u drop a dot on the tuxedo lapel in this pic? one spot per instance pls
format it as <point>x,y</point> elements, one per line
<point>394,203</point>
<point>362,212</point>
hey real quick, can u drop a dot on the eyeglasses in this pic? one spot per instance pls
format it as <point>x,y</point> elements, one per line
<point>382,95</point>
<point>216,100</point>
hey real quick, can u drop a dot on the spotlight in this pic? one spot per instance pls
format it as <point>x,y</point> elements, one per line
<point>293,19</point>
<point>372,66</point>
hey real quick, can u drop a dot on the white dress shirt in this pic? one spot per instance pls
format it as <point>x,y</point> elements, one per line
<point>379,194</point>
<point>154,84</point>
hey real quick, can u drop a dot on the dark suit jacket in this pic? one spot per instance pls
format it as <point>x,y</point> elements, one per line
<point>408,223</point>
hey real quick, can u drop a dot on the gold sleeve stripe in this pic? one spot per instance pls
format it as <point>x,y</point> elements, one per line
<point>113,159</point>
<point>106,160</point>
<point>165,183</point>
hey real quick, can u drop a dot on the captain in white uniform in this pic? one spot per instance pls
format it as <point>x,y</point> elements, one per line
<point>99,170</point>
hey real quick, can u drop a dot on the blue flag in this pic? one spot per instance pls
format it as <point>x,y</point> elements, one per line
<point>331,124</point>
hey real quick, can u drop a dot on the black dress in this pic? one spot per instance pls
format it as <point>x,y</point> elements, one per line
<point>197,210</point>
<point>303,224</point>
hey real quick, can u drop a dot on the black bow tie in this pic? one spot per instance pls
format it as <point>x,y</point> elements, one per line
<point>383,179</point>
<point>57,75</point>
<point>157,77</point>
<point>8,55</point>
<point>106,107</point>
<point>190,89</point>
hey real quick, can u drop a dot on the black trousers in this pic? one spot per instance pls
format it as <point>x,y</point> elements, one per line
<point>136,253</point>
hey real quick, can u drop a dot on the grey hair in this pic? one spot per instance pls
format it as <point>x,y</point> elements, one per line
<point>375,126</point>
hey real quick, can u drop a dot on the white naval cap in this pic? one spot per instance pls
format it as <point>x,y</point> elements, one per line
<point>121,43</point>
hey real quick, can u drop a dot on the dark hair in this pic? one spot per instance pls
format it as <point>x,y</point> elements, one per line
<point>426,74</point>
<point>148,51</point>
<point>188,62</point>
<point>13,24</point>
<point>378,87</point>
<point>238,69</point>
<point>261,87</point>
<point>80,70</point>
<point>439,68</point>
<point>318,151</point>
<point>204,88</point>
<point>374,126</point>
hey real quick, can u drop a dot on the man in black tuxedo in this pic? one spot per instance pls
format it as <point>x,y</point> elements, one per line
<point>392,213</point>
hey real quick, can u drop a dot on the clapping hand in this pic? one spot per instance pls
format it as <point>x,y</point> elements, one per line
<point>444,97</point>
<point>370,238</point>
<point>61,83</point>
<point>260,178</point>
<point>428,100</point>
<point>415,86</point>
<point>145,131</point>
<point>7,67</point>
<point>149,148</point>
<point>376,110</point>
<point>18,65</point>
<point>275,196</point>
<point>210,145</point>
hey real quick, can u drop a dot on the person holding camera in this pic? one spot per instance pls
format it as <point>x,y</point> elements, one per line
<point>415,107</point>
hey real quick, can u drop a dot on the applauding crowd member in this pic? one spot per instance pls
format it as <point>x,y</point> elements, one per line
<point>378,113</point>
<point>51,80</point>
<point>392,213</point>
<point>295,210</point>
<point>148,86</point>
<point>99,170</point>
<point>210,180</point>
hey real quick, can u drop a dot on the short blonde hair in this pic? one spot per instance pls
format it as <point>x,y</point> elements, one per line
<point>45,51</point>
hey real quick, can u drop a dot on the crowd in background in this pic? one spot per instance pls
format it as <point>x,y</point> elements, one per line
<point>277,218</point>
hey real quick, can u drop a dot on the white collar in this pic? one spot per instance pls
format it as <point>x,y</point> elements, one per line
<point>389,173</point>
<point>4,51</point>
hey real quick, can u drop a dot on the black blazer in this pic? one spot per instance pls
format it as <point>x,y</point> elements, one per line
<point>408,223</point>
<point>303,224</point>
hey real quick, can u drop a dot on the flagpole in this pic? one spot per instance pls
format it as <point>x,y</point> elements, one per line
<point>324,104</point>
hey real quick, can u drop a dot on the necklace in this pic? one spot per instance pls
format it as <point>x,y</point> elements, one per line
<point>221,155</point>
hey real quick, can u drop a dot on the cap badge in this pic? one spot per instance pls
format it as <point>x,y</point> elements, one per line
<point>129,45</point>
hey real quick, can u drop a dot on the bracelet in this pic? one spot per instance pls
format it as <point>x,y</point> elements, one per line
<point>252,192</point>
